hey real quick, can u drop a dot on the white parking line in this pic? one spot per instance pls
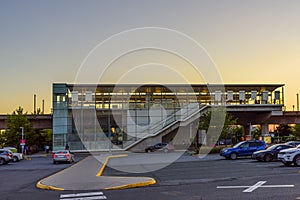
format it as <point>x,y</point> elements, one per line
<point>259,184</point>
<point>255,186</point>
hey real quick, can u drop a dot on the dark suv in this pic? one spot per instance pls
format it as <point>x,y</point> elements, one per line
<point>245,148</point>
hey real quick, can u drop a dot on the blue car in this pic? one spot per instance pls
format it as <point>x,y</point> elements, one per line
<point>245,148</point>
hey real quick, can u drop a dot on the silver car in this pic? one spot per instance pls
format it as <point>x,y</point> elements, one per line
<point>16,157</point>
<point>62,156</point>
<point>5,156</point>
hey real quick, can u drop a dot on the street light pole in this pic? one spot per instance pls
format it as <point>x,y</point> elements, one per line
<point>22,137</point>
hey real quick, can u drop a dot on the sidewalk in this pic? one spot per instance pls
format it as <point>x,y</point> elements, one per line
<point>87,175</point>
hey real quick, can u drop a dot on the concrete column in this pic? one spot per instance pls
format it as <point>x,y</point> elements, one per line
<point>246,131</point>
<point>264,129</point>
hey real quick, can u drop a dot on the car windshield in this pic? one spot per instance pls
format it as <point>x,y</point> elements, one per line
<point>273,147</point>
<point>61,152</point>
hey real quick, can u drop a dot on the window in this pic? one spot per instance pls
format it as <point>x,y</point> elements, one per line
<point>245,145</point>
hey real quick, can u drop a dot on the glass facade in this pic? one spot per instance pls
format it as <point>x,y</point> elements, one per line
<point>103,117</point>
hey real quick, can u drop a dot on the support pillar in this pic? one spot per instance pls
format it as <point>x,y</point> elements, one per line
<point>264,129</point>
<point>246,135</point>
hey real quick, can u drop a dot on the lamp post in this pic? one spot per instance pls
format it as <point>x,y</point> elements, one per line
<point>22,139</point>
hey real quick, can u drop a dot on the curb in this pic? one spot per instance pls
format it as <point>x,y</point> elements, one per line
<point>126,186</point>
<point>133,185</point>
<point>106,161</point>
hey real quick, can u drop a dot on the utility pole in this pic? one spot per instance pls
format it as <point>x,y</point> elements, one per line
<point>22,139</point>
<point>297,102</point>
<point>34,104</point>
<point>43,106</point>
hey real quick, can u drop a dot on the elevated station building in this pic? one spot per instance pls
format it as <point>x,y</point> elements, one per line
<point>131,116</point>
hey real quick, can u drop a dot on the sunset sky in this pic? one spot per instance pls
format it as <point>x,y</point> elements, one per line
<point>42,42</point>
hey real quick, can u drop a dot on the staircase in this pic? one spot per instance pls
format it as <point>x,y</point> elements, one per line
<point>183,117</point>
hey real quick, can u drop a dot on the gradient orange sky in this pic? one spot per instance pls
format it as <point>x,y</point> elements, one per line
<point>254,41</point>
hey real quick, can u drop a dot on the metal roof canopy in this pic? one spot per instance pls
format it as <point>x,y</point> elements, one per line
<point>174,87</point>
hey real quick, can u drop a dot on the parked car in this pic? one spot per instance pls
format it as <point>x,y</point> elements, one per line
<point>245,148</point>
<point>290,156</point>
<point>293,143</point>
<point>63,156</point>
<point>5,156</point>
<point>165,147</point>
<point>270,153</point>
<point>16,157</point>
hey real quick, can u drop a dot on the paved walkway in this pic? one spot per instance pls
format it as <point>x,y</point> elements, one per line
<point>87,175</point>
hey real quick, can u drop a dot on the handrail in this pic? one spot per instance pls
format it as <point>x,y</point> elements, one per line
<point>168,125</point>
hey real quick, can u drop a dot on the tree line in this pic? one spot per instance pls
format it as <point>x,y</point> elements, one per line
<point>35,139</point>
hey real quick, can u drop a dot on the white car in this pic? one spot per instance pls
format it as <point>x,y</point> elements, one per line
<point>16,157</point>
<point>62,156</point>
<point>289,156</point>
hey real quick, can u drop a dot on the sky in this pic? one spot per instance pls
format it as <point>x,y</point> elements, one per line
<point>45,42</point>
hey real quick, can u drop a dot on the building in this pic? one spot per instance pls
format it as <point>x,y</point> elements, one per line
<point>128,116</point>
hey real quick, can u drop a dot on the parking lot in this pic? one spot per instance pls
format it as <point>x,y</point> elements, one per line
<point>212,177</point>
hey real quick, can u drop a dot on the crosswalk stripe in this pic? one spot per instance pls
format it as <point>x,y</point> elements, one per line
<point>83,196</point>
<point>86,198</point>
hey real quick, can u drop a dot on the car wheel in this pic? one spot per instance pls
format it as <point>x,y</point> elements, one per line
<point>297,160</point>
<point>15,159</point>
<point>233,156</point>
<point>268,158</point>
<point>2,161</point>
<point>54,162</point>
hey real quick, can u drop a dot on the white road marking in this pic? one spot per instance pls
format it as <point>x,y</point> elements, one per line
<point>86,198</point>
<point>255,186</point>
<point>83,196</point>
<point>251,188</point>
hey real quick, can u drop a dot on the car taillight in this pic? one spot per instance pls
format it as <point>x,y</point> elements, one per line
<point>67,155</point>
<point>9,155</point>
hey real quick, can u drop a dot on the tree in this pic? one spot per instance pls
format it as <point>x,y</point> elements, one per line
<point>296,131</point>
<point>256,133</point>
<point>229,121</point>
<point>285,130</point>
<point>47,136</point>
<point>13,134</point>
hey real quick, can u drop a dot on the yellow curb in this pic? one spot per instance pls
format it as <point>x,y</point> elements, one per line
<point>40,185</point>
<point>133,185</point>
<point>126,186</point>
<point>106,161</point>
